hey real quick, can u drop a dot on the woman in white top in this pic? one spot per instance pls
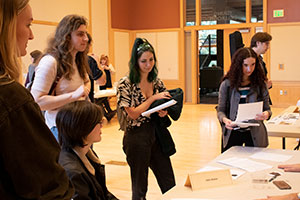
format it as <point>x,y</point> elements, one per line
<point>65,62</point>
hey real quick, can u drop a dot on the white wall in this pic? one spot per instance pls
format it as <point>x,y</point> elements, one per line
<point>100,27</point>
<point>166,51</point>
<point>52,11</point>
<point>121,53</point>
<point>284,49</point>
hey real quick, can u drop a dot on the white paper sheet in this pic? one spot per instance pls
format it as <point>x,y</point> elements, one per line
<point>160,107</point>
<point>248,111</point>
<point>271,156</point>
<point>245,164</point>
<point>235,173</point>
<point>244,124</point>
<point>285,119</point>
<point>188,199</point>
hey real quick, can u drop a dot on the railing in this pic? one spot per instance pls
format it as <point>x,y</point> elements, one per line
<point>204,44</point>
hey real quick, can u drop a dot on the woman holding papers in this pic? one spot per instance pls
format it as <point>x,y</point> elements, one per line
<point>135,94</point>
<point>244,83</point>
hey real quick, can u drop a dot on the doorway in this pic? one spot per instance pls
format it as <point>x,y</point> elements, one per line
<point>210,56</point>
<point>215,60</point>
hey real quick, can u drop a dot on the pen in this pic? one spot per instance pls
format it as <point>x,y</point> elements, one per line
<point>271,179</point>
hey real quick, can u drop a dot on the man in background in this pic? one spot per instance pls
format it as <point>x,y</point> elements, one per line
<point>260,43</point>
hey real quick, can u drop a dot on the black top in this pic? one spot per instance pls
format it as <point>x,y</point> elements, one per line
<point>96,73</point>
<point>263,65</point>
<point>29,153</point>
<point>108,80</point>
<point>87,186</point>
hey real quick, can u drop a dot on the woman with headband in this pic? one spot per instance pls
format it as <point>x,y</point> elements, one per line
<point>135,94</point>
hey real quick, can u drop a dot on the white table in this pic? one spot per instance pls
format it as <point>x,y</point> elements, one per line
<point>284,130</point>
<point>242,188</point>
<point>105,93</point>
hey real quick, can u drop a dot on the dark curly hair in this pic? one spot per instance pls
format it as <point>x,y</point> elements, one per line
<point>140,46</point>
<point>235,73</point>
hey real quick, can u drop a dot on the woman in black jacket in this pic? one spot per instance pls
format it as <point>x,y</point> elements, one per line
<point>79,125</point>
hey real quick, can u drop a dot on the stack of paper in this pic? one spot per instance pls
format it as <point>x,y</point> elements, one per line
<point>245,164</point>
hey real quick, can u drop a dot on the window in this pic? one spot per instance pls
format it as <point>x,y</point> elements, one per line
<point>257,11</point>
<point>190,13</point>
<point>223,11</point>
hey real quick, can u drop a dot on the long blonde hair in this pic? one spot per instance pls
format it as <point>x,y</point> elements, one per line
<point>10,65</point>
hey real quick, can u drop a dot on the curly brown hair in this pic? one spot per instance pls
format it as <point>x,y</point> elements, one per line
<point>235,73</point>
<point>59,47</point>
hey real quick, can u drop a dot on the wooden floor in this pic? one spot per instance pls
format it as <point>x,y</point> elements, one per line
<point>197,136</point>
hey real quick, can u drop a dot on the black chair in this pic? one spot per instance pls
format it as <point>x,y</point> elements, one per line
<point>236,42</point>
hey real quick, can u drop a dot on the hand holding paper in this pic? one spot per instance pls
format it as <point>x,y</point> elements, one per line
<point>247,112</point>
<point>160,107</point>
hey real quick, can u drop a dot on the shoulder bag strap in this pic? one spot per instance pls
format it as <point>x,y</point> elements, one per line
<point>52,89</point>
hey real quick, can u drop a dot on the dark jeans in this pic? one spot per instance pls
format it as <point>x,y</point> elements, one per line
<point>143,151</point>
<point>239,138</point>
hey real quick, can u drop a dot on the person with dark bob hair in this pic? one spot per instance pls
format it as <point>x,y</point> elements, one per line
<point>244,83</point>
<point>135,94</point>
<point>79,125</point>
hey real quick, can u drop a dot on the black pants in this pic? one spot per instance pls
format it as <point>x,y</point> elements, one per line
<point>103,101</point>
<point>239,138</point>
<point>143,151</point>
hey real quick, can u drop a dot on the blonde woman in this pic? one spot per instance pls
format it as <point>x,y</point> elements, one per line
<point>29,152</point>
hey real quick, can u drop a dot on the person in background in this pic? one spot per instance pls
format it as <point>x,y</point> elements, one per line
<point>62,74</point>
<point>244,83</point>
<point>108,69</point>
<point>79,126</point>
<point>260,43</point>
<point>96,72</point>
<point>104,101</point>
<point>135,94</point>
<point>29,166</point>
<point>35,58</point>
<point>291,196</point>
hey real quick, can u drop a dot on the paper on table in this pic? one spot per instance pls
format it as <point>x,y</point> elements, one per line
<point>245,164</point>
<point>160,107</point>
<point>248,111</point>
<point>235,173</point>
<point>271,156</point>
<point>188,199</point>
